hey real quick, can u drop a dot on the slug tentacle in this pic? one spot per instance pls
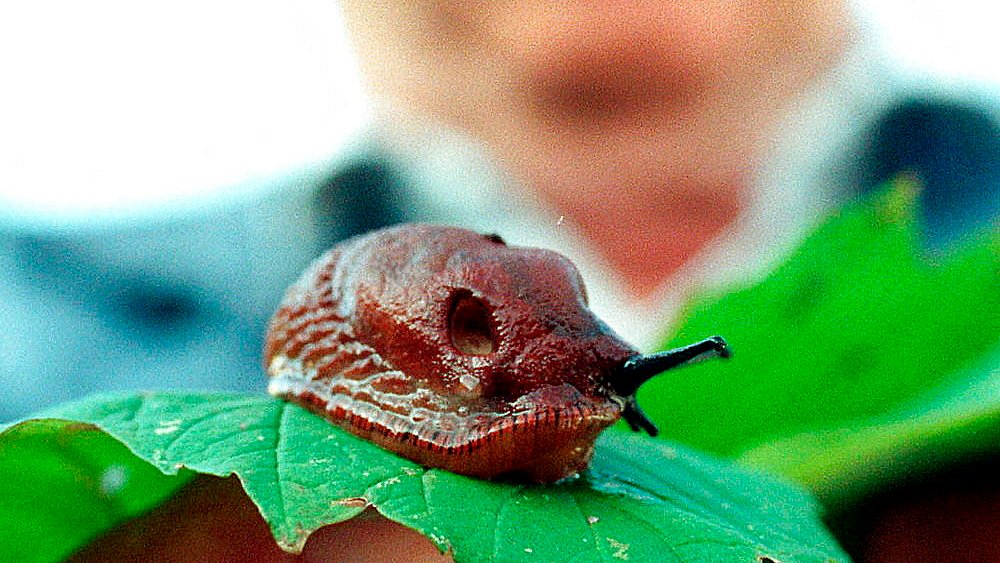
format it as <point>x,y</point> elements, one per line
<point>458,351</point>
<point>641,368</point>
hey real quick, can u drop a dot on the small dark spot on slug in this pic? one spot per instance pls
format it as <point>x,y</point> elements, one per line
<point>470,325</point>
<point>766,559</point>
<point>493,237</point>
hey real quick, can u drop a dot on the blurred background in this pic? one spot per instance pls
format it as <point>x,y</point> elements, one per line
<point>167,169</point>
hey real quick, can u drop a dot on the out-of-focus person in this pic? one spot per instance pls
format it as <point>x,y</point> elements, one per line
<point>662,146</point>
<point>665,146</point>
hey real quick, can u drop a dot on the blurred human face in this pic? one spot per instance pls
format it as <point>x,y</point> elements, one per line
<point>600,94</point>
<point>639,121</point>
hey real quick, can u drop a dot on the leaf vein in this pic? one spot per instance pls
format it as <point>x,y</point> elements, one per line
<point>279,437</point>
<point>516,490</point>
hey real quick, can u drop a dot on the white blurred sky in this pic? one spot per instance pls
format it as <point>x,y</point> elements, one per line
<point>956,40</point>
<point>122,104</point>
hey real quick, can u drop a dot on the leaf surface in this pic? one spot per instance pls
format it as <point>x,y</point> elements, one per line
<point>641,500</point>
<point>843,464</point>
<point>64,483</point>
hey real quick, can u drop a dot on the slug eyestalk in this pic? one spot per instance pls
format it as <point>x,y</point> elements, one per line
<point>641,368</point>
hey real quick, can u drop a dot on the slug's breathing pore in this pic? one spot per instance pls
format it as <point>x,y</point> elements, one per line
<point>457,351</point>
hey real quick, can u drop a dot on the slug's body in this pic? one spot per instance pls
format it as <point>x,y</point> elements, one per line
<point>456,351</point>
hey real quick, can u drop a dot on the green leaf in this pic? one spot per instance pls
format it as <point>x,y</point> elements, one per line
<point>64,483</point>
<point>843,464</point>
<point>641,500</point>
<point>853,326</point>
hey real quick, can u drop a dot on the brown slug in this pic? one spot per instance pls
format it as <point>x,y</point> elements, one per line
<point>456,351</point>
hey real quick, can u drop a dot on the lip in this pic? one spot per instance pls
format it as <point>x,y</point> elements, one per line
<point>601,101</point>
<point>548,435</point>
<point>558,406</point>
<point>562,400</point>
<point>603,85</point>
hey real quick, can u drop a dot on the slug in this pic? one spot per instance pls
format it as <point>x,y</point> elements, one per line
<point>457,351</point>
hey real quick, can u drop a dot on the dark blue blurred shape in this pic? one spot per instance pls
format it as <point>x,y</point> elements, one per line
<point>362,197</point>
<point>952,149</point>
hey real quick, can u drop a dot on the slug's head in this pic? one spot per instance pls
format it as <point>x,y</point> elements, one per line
<point>482,322</point>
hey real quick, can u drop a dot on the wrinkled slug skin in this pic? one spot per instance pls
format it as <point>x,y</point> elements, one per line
<point>451,349</point>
